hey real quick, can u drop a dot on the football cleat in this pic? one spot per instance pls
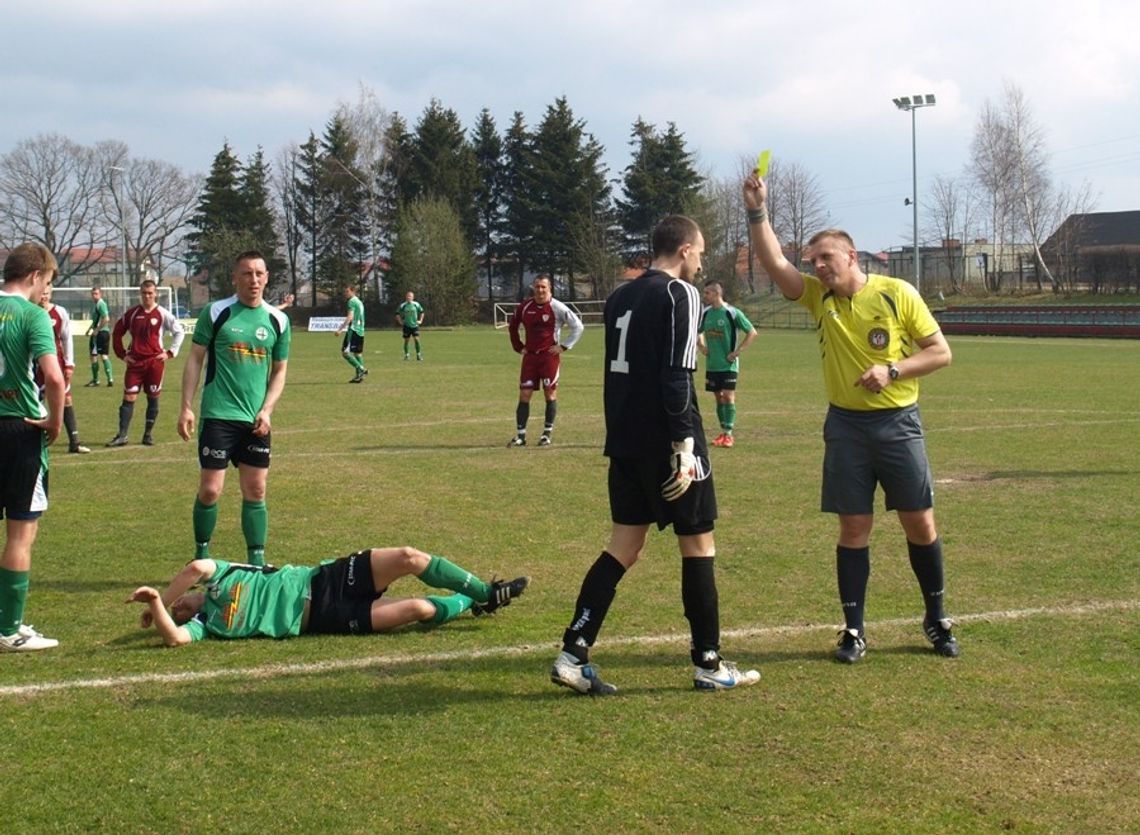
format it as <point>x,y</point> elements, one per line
<point>581,678</point>
<point>544,440</point>
<point>726,676</point>
<point>517,440</point>
<point>728,442</point>
<point>852,646</point>
<point>938,632</point>
<point>92,384</point>
<point>148,439</point>
<point>118,440</point>
<point>79,449</point>
<point>502,593</point>
<point>26,639</point>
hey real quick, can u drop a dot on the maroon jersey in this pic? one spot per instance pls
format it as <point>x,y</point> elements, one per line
<point>146,328</point>
<point>61,327</point>
<point>543,324</point>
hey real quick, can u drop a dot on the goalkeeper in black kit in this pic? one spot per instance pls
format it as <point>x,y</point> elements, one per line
<point>659,467</point>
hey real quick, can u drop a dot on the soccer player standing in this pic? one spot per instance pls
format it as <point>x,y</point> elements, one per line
<point>410,314</point>
<point>145,323</point>
<point>26,431</point>
<point>244,343</point>
<point>542,317</point>
<point>99,342</point>
<point>65,351</point>
<point>353,329</point>
<point>876,337</point>
<point>659,468</point>
<point>722,344</point>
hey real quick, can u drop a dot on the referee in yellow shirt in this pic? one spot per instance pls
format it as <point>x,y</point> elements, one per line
<point>876,338</point>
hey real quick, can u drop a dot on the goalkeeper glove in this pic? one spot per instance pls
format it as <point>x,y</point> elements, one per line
<point>682,470</point>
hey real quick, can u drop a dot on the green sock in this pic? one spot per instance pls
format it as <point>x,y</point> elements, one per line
<point>95,371</point>
<point>720,414</point>
<point>729,417</point>
<point>351,360</point>
<point>444,574</point>
<point>358,362</point>
<point>13,596</point>
<point>205,520</point>
<point>255,526</point>
<point>107,368</point>
<point>448,607</point>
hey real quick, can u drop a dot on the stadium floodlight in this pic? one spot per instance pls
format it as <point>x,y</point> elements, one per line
<point>912,104</point>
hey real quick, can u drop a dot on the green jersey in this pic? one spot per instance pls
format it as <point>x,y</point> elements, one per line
<point>723,327</point>
<point>249,601</point>
<point>242,343</point>
<point>25,336</point>
<point>410,313</point>
<point>101,314</point>
<point>356,308</point>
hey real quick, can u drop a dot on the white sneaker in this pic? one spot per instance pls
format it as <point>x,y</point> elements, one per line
<point>724,677</point>
<point>26,639</point>
<point>581,678</point>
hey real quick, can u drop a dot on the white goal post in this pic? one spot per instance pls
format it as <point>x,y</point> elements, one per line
<point>590,312</point>
<point>77,300</point>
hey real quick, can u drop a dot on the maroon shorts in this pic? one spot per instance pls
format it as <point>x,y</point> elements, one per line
<point>145,377</point>
<point>540,371</point>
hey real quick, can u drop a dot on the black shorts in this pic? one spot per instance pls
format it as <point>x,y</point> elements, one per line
<point>222,442</point>
<point>862,449</point>
<point>353,343</point>
<point>411,330</point>
<point>100,342</point>
<point>635,497</point>
<point>720,381</point>
<point>342,597</point>
<point>23,470</point>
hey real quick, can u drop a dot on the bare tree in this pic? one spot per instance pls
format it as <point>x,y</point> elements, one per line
<point>288,197</point>
<point>597,243</point>
<point>948,216</point>
<point>51,191</point>
<point>157,201</point>
<point>992,170</point>
<point>723,220</point>
<point>795,205</point>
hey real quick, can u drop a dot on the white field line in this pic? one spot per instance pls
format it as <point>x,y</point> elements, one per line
<point>269,671</point>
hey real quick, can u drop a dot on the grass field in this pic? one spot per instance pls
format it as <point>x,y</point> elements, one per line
<point>1036,448</point>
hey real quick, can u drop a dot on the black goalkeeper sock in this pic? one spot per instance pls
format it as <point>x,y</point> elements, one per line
<point>599,588</point>
<point>702,610</point>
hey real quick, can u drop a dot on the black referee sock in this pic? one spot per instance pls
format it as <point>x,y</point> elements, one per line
<point>853,567</point>
<point>702,610</point>
<point>926,562</point>
<point>599,588</point>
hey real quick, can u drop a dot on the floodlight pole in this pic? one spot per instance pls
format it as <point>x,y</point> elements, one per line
<point>906,103</point>
<point>122,222</point>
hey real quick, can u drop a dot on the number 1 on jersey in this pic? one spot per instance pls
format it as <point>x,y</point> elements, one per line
<point>620,365</point>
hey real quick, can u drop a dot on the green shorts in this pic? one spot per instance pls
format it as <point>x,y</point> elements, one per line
<point>865,449</point>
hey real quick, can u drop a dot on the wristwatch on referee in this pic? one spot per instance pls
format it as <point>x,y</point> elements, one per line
<point>893,372</point>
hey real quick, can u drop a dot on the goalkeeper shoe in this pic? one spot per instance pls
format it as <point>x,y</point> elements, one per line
<point>939,634</point>
<point>517,440</point>
<point>581,678</point>
<point>502,593</point>
<point>726,676</point>
<point>852,646</point>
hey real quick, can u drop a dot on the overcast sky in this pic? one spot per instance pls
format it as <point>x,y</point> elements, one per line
<point>813,81</point>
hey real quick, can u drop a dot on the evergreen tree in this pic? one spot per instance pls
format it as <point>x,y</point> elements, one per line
<point>518,199</point>
<point>343,237</point>
<point>308,206</point>
<point>488,196</point>
<point>259,219</point>
<point>443,163</point>
<point>218,225</point>
<point>571,189</point>
<point>661,180</point>
<point>394,183</point>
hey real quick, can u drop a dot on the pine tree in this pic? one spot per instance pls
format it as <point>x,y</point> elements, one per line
<point>343,236</point>
<point>518,198</point>
<point>309,204</point>
<point>218,225</point>
<point>488,195</point>
<point>259,219</point>
<point>443,163</point>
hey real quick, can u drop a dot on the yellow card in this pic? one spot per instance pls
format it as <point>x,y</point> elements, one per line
<point>762,163</point>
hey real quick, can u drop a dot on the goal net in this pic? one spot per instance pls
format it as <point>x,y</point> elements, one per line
<point>77,300</point>
<point>590,311</point>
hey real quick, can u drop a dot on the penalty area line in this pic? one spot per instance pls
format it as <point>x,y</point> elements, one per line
<point>270,671</point>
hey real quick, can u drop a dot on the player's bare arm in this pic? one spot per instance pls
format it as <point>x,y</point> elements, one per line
<point>157,615</point>
<point>262,424</point>
<point>190,376</point>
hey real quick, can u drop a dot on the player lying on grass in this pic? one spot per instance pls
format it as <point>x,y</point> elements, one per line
<point>341,597</point>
